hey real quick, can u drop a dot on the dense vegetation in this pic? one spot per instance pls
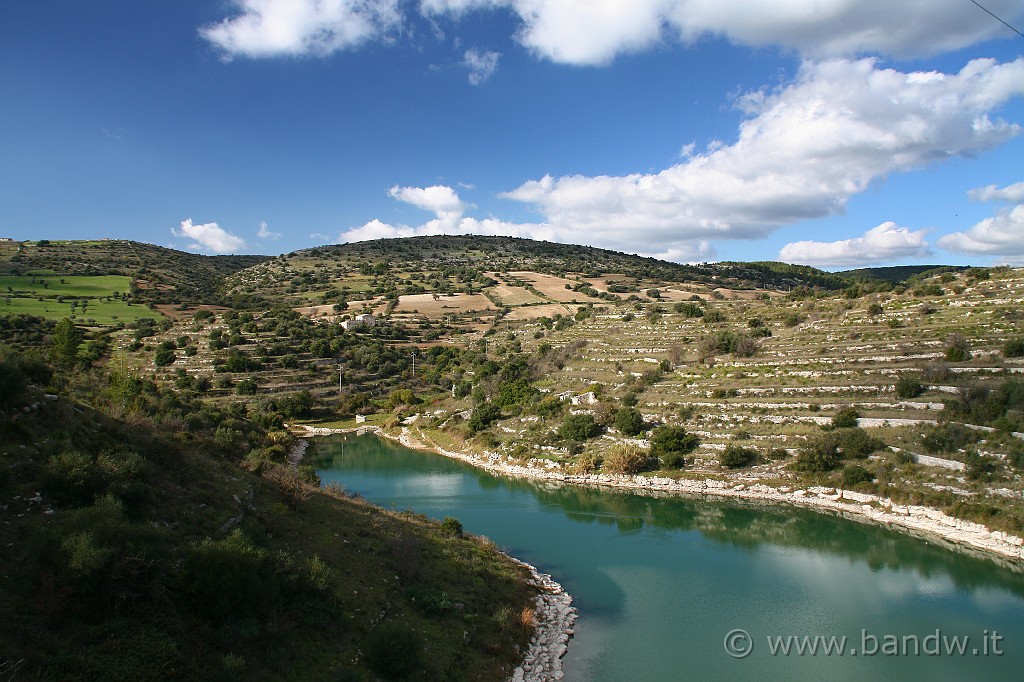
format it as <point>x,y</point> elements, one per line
<point>150,534</point>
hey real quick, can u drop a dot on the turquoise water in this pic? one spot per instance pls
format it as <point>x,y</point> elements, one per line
<point>660,582</point>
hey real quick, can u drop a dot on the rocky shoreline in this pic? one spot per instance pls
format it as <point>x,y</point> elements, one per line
<point>554,617</point>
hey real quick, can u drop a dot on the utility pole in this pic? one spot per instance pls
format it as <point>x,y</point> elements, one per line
<point>413,363</point>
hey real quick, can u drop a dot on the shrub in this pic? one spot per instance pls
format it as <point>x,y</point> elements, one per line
<point>72,477</point>
<point>979,467</point>
<point>828,451</point>
<point>164,356</point>
<point>948,437</point>
<point>737,457</point>
<point>1014,348</point>
<point>957,348</point>
<point>578,427</point>
<point>629,421</point>
<point>908,386</point>
<point>845,418</point>
<point>671,443</point>
<point>626,459</point>
<point>874,310</point>
<point>483,416</point>
<point>229,579</point>
<point>451,526</point>
<point>393,650</point>
<point>855,474</point>
<point>13,383</point>
<point>714,315</point>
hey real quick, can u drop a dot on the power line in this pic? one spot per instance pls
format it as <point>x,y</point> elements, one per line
<point>1000,20</point>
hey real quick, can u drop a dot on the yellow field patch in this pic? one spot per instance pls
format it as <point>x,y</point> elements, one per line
<point>552,287</point>
<point>514,296</point>
<point>427,304</point>
<point>532,312</point>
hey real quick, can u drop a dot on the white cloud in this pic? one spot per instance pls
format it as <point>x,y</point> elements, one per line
<point>802,152</point>
<point>209,237</point>
<point>481,65</point>
<point>265,233</point>
<point>887,242</point>
<point>438,198</point>
<point>449,219</point>
<point>1013,193</point>
<point>1002,235</point>
<point>594,32</point>
<point>267,28</point>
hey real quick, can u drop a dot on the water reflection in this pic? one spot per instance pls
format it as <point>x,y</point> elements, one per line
<point>659,580</point>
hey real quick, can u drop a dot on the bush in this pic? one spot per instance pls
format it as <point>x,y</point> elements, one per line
<point>855,474</point>
<point>393,650</point>
<point>629,421</point>
<point>578,427</point>
<point>845,418</point>
<point>451,526</point>
<point>626,459</point>
<point>483,416</point>
<point>13,383</point>
<point>229,579</point>
<point>948,437</point>
<point>829,450</point>
<point>671,443</point>
<point>1014,348</point>
<point>908,386</point>
<point>980,467</point>
<point>737,457</point>
<point>957,348</point>
<point>73,477</point>
<point>164,357</point>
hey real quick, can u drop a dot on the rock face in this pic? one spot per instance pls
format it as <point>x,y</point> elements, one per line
<point>555,615</point>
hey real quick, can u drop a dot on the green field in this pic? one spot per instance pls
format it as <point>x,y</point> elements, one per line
<point>66,285</point>
<point>87,299</point>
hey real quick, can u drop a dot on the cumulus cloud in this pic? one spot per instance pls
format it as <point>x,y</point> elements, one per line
<point>585,32</point>
<point>481,64</point>
<point>209,237</point>
<point>1002,235</point>
<point>1013,193</point>
<point>265,233</point>
<point>268,28</point>
<point>449,211</point>
<point>802,152</point>
<point>887,242</point>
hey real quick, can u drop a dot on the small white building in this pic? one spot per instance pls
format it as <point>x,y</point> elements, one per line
<point>365,320</point>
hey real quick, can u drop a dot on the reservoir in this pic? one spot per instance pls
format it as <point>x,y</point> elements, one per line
<point>705,589</point>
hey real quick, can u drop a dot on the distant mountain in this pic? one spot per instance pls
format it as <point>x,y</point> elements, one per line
<point>509,254</point>
<point>898,274</point>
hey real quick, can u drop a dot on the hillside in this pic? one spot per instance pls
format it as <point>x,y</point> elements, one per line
<point>151,536</point>
<point>159,274</point>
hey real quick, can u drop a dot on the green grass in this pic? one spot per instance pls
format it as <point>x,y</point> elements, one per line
<point>66,285</point>
<point>23,294</point>
<point>102,312</point>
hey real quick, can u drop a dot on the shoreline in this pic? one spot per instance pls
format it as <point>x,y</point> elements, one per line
<point>918,520</point>
<point>555,616</point>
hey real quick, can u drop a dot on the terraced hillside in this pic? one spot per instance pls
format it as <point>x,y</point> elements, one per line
<point>770,376</point>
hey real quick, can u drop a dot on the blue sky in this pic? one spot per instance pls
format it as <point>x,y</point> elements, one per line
<point>837,133</point>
